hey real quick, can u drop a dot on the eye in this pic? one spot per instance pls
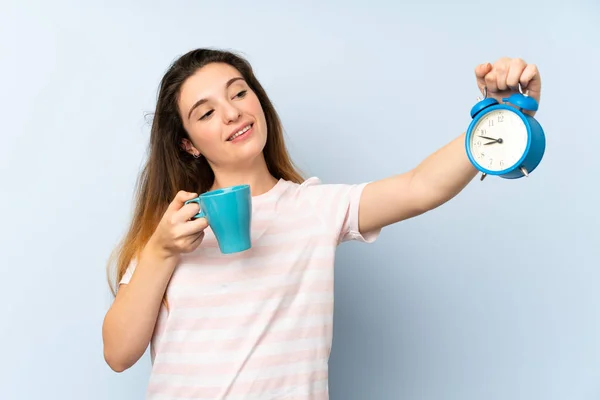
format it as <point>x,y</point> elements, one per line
<point>208,114</point>
<point>241,94</point>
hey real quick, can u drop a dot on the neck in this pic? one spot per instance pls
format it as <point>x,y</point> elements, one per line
<point>256,175</point>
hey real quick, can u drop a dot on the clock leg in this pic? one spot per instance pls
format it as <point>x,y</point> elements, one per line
<point>483,175</point>
<point>524,171</point>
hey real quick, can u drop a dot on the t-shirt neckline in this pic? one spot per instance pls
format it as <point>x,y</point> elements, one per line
<point>274,191</point>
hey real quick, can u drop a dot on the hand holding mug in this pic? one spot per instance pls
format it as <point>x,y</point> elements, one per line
<point>176,232</point>
<point>228,211</point>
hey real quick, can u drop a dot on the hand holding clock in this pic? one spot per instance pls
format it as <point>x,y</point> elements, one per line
<point>502,79</point>
<point>513,140</point>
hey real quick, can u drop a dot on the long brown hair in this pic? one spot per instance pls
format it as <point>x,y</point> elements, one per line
<point>169,168</point>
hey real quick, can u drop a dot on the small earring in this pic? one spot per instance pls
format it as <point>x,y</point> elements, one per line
<point>196,155</point>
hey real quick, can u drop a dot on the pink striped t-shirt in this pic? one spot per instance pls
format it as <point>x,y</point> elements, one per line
<point>258,324</point>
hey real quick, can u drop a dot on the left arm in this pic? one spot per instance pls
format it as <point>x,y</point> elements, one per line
<point>437,179</point>
<point>445,173</point>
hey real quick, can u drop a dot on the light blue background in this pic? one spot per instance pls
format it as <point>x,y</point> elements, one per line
<point>493,296</point>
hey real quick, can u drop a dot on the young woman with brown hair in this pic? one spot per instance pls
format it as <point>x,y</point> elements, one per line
<point>255,324</point>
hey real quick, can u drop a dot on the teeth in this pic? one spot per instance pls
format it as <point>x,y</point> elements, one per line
<point>240,132</point>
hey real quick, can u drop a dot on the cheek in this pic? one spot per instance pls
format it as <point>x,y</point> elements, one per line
<point>252,105</point>
<point>258,112</point>
<point>205,135</point>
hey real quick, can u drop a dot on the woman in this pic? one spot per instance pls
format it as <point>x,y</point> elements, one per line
<point>256,324</point>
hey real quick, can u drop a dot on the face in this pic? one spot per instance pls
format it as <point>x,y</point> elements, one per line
<point>498,140</point>
<point>223,117</point>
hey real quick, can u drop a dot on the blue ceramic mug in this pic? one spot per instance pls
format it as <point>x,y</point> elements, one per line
<point>228,211</point>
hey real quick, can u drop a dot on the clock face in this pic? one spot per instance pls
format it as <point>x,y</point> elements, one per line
<point>498,140</point>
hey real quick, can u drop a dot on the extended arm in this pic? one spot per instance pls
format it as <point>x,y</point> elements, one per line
<point>442,175</point>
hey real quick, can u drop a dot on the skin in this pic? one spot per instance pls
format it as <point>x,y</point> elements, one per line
<point>445,173</point>
<point>129,323</point>
<point>226,110</point>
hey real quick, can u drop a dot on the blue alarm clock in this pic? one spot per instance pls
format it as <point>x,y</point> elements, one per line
<point>502,140</point>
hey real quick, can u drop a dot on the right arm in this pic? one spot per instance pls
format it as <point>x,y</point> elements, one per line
<point>130,321</point>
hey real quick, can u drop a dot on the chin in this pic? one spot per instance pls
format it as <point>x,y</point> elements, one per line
<point>251,150</point>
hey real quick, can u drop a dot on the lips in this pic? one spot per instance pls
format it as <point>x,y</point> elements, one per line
<point>240,132</point>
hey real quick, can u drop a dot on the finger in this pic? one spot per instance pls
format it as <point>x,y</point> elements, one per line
<point>491,82</point>
<point>191,243</point>
<point>195,239</point>
<point>198,239</point>
<point>198,225</point>
<point>480,72</point>
<point>530,81</point>
<point>186,212</point>
<point>179,201</point>
<point>194,227</point>
<point>513,77</point>
<point>501,69</point>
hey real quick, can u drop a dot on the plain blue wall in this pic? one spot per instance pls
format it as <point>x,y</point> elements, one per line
<point>458,304</point>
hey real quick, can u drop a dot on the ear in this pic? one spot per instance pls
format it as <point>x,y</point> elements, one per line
<point>189,147</point>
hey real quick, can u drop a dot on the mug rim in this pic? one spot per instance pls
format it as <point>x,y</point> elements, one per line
<point>225,190</point>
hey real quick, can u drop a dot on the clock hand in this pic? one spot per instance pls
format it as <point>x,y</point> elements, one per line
<point>499,140</point>
<point>487,137</point>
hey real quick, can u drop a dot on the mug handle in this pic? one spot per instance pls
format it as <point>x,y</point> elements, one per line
<point>201,214</point>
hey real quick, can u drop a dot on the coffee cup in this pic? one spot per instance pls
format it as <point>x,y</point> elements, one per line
<point>228,212</point>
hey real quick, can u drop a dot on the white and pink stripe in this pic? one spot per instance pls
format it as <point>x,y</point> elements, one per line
<point>258,324</point>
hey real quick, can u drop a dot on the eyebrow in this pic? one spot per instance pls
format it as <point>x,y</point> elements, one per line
<point>202,101</point>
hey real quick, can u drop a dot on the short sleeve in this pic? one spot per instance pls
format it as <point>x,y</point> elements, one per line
<point>339,206</point>
<point>128,273</point>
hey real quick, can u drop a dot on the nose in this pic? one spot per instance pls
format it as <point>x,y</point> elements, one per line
<point>231,113</point>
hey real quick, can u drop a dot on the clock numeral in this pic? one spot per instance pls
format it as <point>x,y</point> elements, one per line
<point>482,131</point>
<point>481,155</point>
<point>478,143</point>
<point>500,118</point>
<point>491,122</point>
<point>491,162</point>
<point>502,163</point>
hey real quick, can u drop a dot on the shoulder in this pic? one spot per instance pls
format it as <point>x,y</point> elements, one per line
<point>314,190</point>
<point>336,205</point>
<point>311,188</point>
<point>307,183</point>
<point>294,190</point>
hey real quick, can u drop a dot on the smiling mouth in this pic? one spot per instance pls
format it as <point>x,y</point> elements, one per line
<point>240,132</point>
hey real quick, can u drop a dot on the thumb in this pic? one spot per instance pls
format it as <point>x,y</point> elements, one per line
<point>480,72</point>
<point>180,199</point>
